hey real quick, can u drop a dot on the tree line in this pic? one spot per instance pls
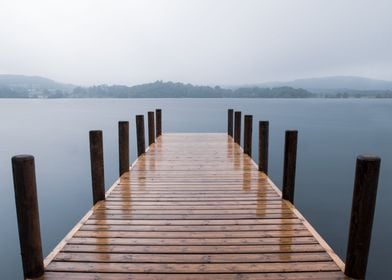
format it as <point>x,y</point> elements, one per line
<point>161,89</point>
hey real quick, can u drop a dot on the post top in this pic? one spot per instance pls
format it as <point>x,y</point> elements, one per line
<point>369,158</point>
<point>22,158</point>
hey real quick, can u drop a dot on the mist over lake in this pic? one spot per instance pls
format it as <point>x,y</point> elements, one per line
<point>331,134</point>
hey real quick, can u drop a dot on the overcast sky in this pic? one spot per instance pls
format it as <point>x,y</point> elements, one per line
<point>220,42</point>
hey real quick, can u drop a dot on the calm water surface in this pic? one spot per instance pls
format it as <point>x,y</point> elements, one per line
<point>331,134</point>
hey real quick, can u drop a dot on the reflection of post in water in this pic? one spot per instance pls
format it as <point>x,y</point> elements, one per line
<point>151,164</point>
<point>237,156</point>
<point>229,147</point>
<point>127,194</point>
<point>246,177</point>
<point>285,244</point>
<point>105,235</point>
<point>101,217</point>
<point>261,202</point>
<point>142,173</point>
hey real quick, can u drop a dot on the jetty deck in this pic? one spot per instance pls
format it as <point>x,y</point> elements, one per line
<point>194,206</point>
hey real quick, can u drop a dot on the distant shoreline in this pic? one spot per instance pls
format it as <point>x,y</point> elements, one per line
<point>42,88</point>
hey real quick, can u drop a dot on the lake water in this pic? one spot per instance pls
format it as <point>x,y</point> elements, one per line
<point>331,134</point>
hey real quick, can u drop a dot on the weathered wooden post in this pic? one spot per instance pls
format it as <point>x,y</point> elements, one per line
<point>151,128</point>
<point>140,134</point>
<point>230,122</point>
<point>28,215</point>
<point>290,158</point>
<point>263,146</point>
<point>362,213</point>
<point>248,123</point>
<point>123,146</point>
<point>158,114</point>
<point>97,167</point>
<point>237,127</point>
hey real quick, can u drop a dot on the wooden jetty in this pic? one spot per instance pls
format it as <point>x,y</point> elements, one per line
<point>193,206</point>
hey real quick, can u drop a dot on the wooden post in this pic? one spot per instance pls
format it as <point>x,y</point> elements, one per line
<point>151,128</point>
<point>97,167</point>
<point>123,146</point>
<point>237,127</point>
<point>141,146</point>
<point>230,122</point>
<point>290,158</point>
<point>248,123</point>
<point>158,114</point>
<point>263,146</point>
<point>362,213</point>
<point>28,215</point>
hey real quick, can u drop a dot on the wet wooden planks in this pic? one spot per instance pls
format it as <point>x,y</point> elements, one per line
<point>193,207</point>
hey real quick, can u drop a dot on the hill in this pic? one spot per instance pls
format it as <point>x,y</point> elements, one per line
<point>161,89</point>
<point>334,84</point>
<point>20,86</point>
<point>32,82</point>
